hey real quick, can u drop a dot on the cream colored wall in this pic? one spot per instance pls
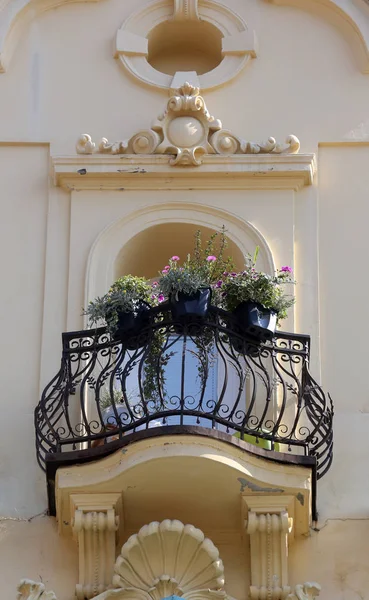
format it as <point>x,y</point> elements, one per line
<point>344,286</point>
<point>24,201</point>
<point>63,81</point>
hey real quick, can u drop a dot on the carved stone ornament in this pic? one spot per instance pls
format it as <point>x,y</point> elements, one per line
<point>306,591</point>
<point>186,131</point>
<point>170,560</point>
<point>29,590</point>
<point>166,559</point>
<point>161,560</point>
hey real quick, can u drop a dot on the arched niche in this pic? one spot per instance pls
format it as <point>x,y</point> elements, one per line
<point>148,251</point>
<point>142,243</point>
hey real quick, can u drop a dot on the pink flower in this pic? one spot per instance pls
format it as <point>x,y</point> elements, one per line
<point>211,258</point>
<point>161,298</point>
<point>154,284</point>
<point>219,284</point>
<point>174,258</point>
<point>165,271</point>
<point>286,270</point>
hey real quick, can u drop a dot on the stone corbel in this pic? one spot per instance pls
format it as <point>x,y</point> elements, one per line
<point>186,10</point>
<point>96,518</point>
<point>269,527</point>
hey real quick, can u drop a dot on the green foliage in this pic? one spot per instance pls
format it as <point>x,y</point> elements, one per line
<point>256,286</point>
<point>201,269</point>
<point>125,295</point>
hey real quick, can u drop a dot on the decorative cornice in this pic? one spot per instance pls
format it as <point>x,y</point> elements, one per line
<point>188,131</point>
<point>154,172</point>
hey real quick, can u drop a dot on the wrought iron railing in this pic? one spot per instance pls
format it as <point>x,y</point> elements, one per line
<point>206,374</point>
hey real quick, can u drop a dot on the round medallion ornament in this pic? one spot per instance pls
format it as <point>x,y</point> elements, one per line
<point>185,132</point>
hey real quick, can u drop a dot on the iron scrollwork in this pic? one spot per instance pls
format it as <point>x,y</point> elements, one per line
<point>203,373</point>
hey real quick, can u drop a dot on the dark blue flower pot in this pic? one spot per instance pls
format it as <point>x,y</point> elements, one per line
<point>131,327</point>
<point>190,306</point>
<point>256,321</point>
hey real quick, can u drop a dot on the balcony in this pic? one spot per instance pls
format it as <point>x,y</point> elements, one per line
<point>202,377</point>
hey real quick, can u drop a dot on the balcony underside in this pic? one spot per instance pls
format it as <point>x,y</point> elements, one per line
<point>54,461</point>
<point>187,477</point>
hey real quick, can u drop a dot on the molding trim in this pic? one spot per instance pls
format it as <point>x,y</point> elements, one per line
<point>133,172</point>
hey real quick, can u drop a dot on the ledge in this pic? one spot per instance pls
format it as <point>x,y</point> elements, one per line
<point>153,172</point>
<point>252,470</point>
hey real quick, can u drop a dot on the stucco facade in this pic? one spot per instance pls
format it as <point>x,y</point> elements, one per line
<point>75,220</point>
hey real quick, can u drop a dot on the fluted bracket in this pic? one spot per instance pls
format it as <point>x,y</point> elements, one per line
<point>95,525</point>
<point>268,524</point>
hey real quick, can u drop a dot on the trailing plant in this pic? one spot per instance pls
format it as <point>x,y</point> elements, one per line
<point>201,269</point>
<point>126,295</point>
<point>251,285</point>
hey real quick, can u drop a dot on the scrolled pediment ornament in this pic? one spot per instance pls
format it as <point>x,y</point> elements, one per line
<point>186,131</point>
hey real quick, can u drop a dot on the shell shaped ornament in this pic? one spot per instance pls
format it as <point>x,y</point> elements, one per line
<point>168,560</point>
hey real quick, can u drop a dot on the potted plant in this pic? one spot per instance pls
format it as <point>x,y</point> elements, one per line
<point>125,309</point>
<point>257,300</point>
<point>188,287</point>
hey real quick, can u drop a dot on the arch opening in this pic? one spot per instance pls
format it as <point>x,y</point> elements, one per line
<point>185,46</point>
<point>148,251</point>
